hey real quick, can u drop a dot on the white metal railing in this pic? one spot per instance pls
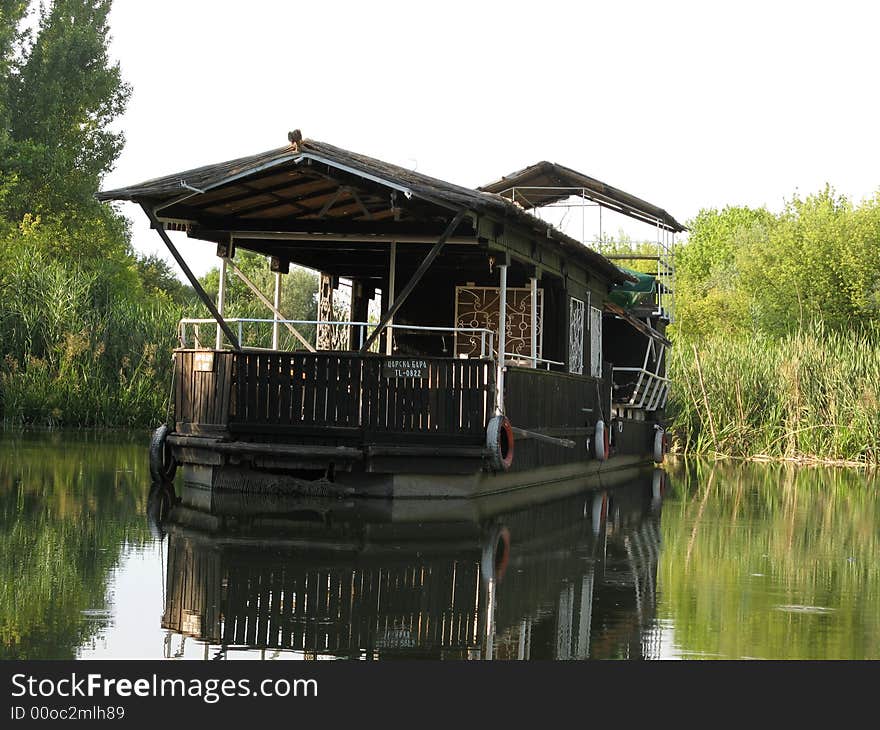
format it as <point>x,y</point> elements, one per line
<point>487,336</point>
<point>650,392</point>
<point>573,197</point>
<point>533,361</point>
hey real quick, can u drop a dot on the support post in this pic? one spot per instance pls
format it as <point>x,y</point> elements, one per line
<point>533,283</point>
<point>275,316</point>
<point>221,302</point>
<point>392,271</point>
<point>502,340</point>
<point>358,313</point>
<point>200,291</point>
<point>416,278</point>
<point>325,312</point>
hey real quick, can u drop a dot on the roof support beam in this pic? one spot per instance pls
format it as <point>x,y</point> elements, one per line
<point>291,224</point>
<point>280,200</point>
<point>413,282</point>
<point>332,201</point>
<point>203,295</point>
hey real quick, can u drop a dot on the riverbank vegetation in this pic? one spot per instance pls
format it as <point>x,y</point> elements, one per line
<point>801,396</point>
<point>86,323</point>
<point>777,335</point>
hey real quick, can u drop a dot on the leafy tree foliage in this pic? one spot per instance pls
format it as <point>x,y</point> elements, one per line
<point>745,270</point>
<point>80,318</point>
<point>62,99</point>
<point>158,279</point>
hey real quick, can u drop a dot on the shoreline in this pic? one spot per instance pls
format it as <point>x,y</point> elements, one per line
<point>803,460</point>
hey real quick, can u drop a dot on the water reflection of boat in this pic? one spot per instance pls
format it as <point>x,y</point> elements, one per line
<point>568,579</point>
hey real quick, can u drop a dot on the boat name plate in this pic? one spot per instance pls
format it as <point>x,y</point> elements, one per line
<point>203,362</point>
<point>398,368</point>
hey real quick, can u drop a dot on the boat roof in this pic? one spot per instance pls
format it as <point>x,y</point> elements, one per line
<point>545,183</point>
<point>316,188</point>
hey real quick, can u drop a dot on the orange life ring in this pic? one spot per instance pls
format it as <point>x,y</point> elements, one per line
<point>499,442</point>
<point>502,553</point>
<point>496,554</point>
<point>599,511</point>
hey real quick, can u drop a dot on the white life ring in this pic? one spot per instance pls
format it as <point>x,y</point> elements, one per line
<point>601,441</point>
<point>658,485</point>
<point>659,445</point>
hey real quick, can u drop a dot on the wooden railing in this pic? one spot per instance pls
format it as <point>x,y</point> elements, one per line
<point>541,399</point>
<point>335,394</point>
<point>202,390</point>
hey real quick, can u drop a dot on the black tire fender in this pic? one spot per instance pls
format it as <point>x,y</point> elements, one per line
<point>162,463</point>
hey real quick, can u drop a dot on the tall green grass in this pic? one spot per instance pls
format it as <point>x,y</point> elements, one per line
<point>809,395</point>
<point>75,353</point>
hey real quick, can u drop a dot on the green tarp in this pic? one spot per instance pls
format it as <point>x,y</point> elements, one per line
<point>631,293</point>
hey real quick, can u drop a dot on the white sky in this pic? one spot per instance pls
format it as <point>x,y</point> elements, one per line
<point>687,105</point>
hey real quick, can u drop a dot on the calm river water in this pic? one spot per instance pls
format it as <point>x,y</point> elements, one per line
<point>707,561</point>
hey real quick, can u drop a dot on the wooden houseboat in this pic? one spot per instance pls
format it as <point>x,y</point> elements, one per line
<point>504,352</point>
<point>571,578</point>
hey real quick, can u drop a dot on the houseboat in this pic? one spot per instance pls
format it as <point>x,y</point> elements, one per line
<point>503,354</point>
<point>570,578</point>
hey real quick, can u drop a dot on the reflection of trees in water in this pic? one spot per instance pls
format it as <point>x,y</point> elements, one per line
<point>68,503</point>
<point>772,561</point>
<point>572,584</point>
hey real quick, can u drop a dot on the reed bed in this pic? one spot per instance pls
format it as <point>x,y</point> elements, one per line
<point>76,354</point>
<point>805,396</point>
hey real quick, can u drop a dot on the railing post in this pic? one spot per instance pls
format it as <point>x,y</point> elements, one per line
<point>275,317</point>
<point>221,303</point>
<point>392,274</point>
<point>502,326</point>
<point>533,283</point>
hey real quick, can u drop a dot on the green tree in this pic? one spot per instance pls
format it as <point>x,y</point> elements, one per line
<point>158,278</point>
<point>11,37</point>
<point>83,320</point>
<point>61,101</point>
<point>709,298</point>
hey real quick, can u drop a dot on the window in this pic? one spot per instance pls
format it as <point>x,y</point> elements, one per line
<point>576,336</point>
<point>477,306</point>
<point>595,342</point>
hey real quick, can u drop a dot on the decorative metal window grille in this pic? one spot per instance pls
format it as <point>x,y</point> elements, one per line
<point>595,342</point>
<point>576,336</point>
<point>477,307</point>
